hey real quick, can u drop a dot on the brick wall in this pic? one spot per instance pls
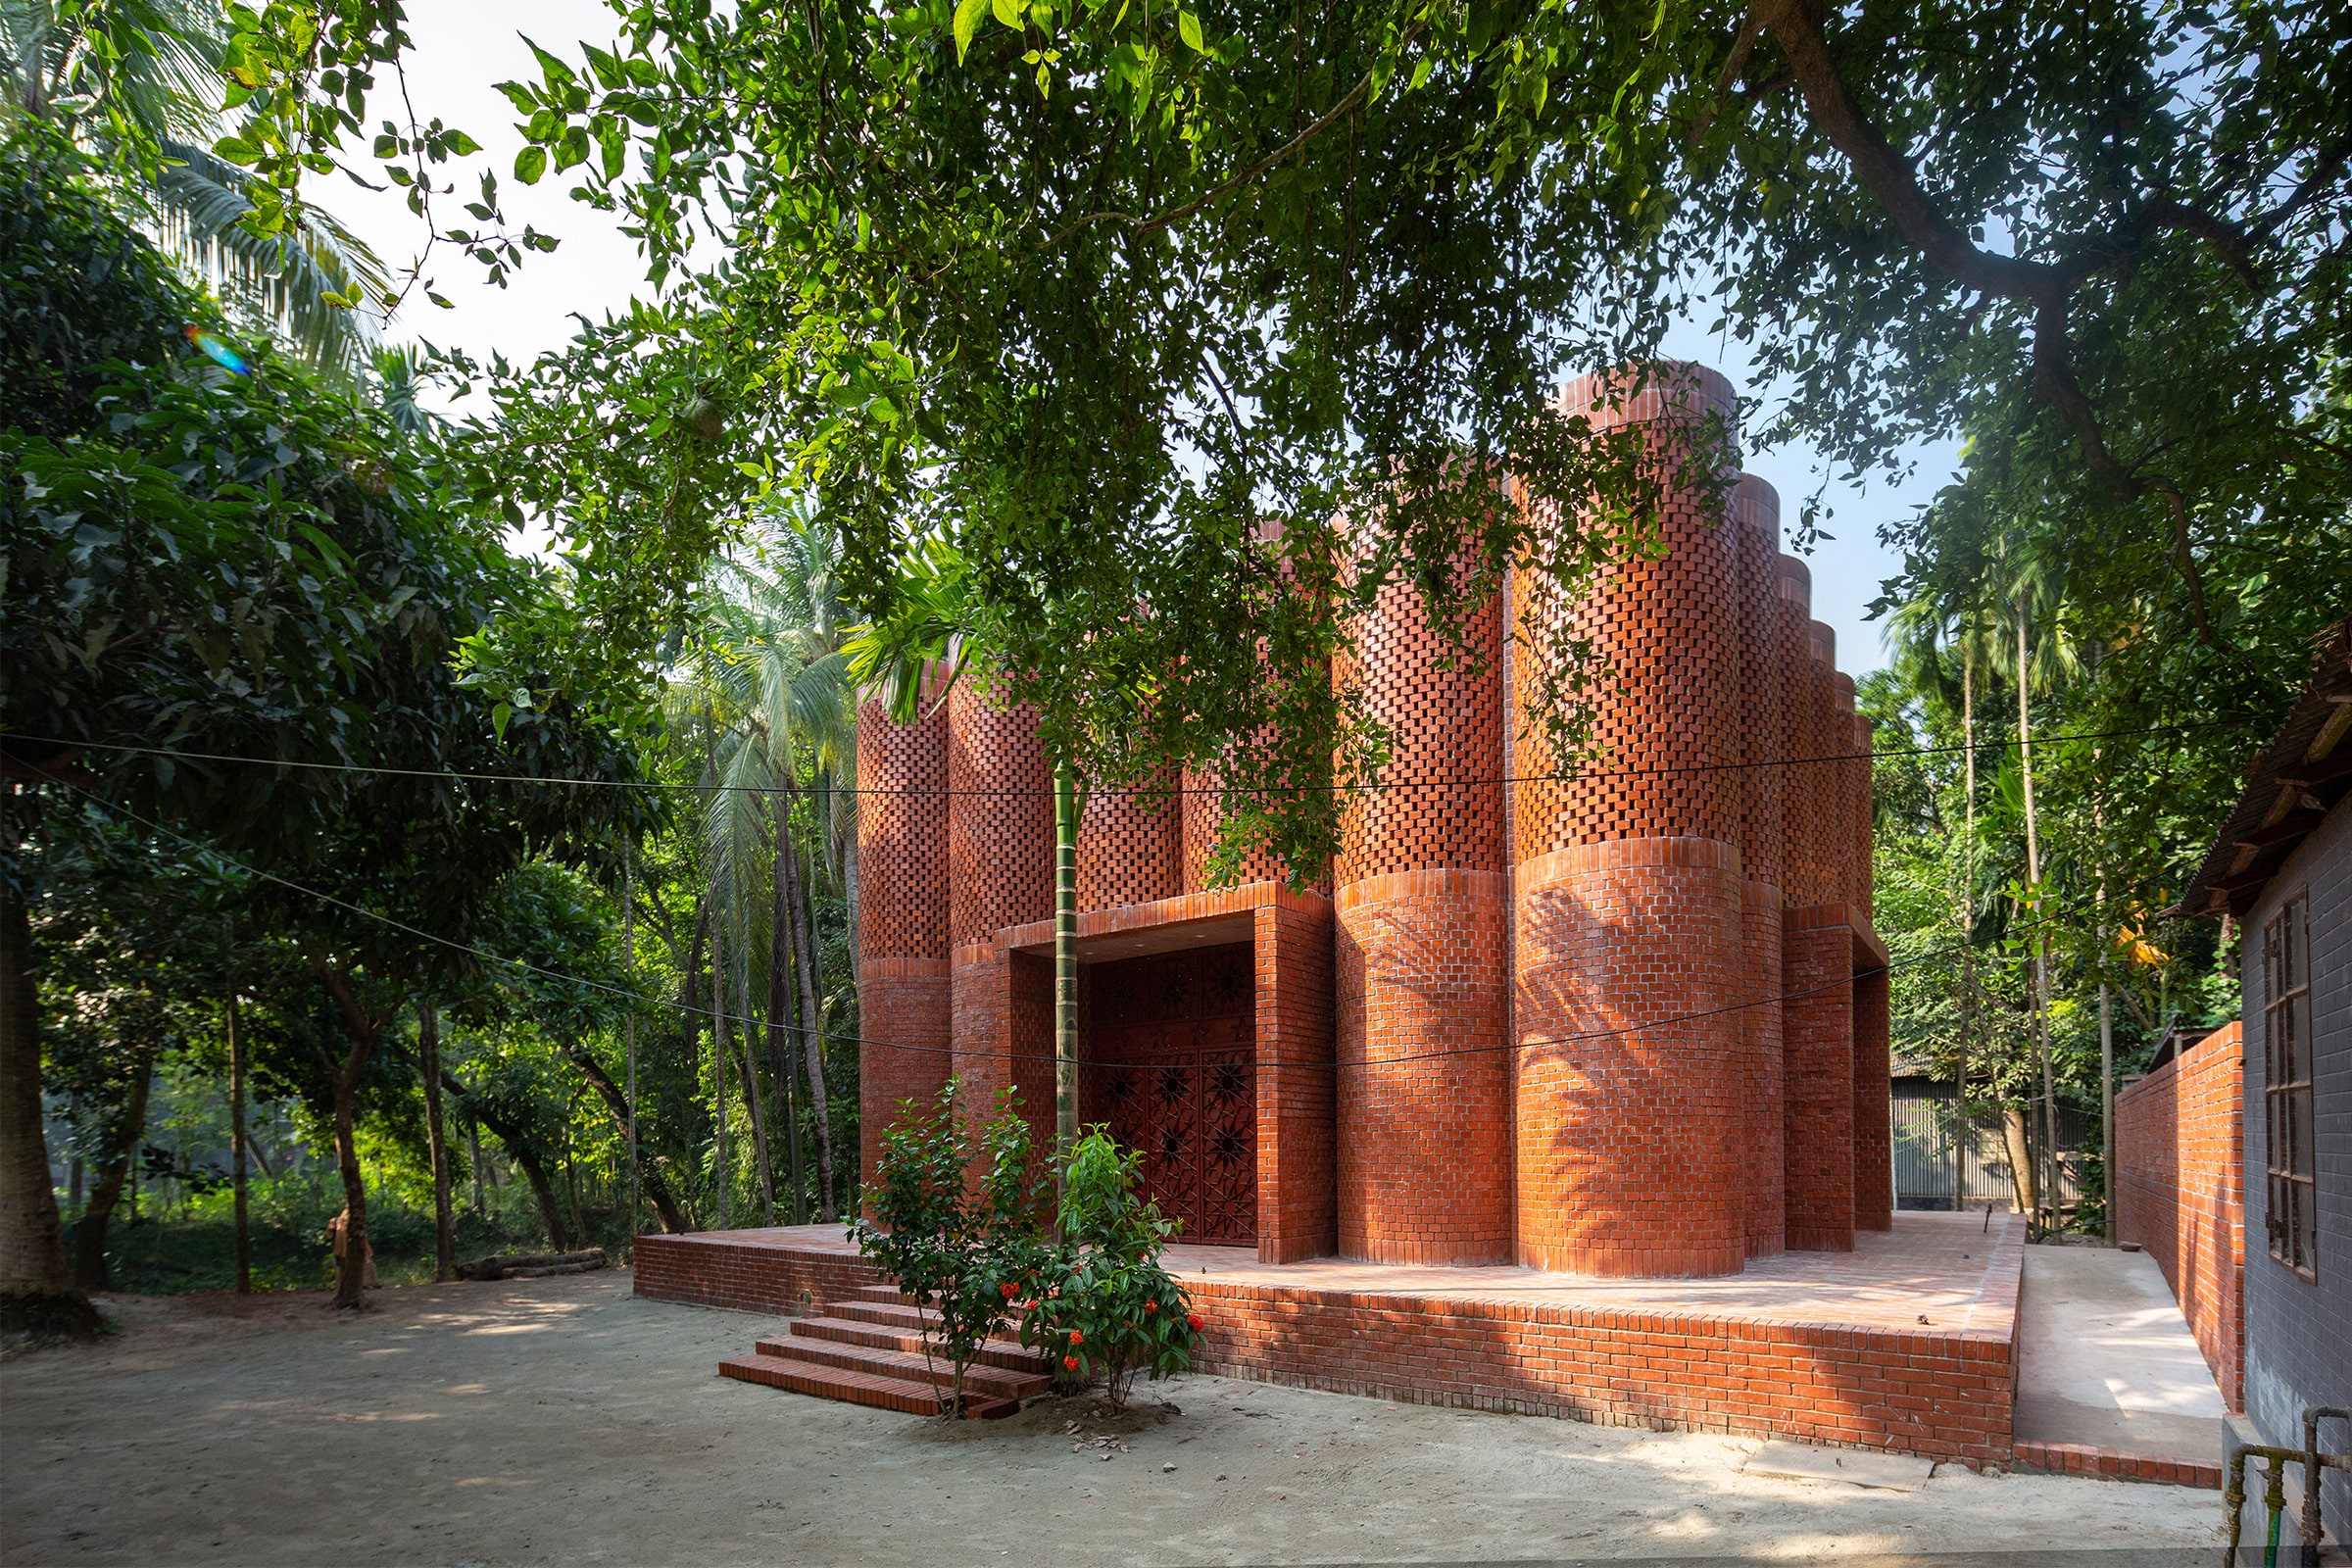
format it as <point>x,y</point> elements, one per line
<point>1763,1068</point>
<point>1817,1044</point>
<point>1423,1081</point>
<point>1296,1112</point>
<point>903,917</point>
<point>1000,819</point>
<point>1873,1101</point>
<point>2180,1192</point>
<point>1131,844</point>
<point>1630,1107</point>
<point>744,1272</point>
<point>1942,1393</point>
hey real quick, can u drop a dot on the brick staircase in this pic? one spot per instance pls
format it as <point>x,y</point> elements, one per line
<point>869,1349</point>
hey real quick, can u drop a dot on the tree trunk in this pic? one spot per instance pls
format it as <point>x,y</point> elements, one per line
<point>351,1269</point>
<point>2041,941</point>
<point>238,1142</point>
<point>474,1160</point>
<point>720,1050</point>
<point>2021,1159</point>
<point>657,1191</point>
<point>90,1269</point>
<point>36,1284</point>
<point>749,1064</point>
<point>812,1036</point>
<point>782,951</point>
<point>436,1144</point>
<point>520,1150</point>
<point>1066,811</point>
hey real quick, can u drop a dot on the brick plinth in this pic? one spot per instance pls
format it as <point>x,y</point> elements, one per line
<point>1817,1047</point>
<point>1763,1127</point>
<point>1424,1071</point>
<point>1630,1115</point>
<point>1296,1114</point>
<point>1818,1347</point>
<point>2180,1192</point>
<point>1873,1101</point>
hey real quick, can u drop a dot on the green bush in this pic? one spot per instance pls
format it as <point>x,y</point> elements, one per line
<point>1100,1303</point>
<point>955,1246</point>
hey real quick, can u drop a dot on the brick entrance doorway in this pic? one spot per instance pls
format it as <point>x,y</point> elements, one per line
<point>1169,1043</point>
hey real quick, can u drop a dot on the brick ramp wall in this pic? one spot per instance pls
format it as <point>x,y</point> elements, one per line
<point>2179,1193</point>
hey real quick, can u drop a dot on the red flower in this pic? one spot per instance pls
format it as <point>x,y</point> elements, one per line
<point>1151,1306</point>
<point>1077,1337</point>
<point>1070,1363</point>
<point>1009,1289</point>
<point>1196,1320</point>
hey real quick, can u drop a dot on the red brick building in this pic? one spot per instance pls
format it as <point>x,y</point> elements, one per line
<point>1632,1022</point>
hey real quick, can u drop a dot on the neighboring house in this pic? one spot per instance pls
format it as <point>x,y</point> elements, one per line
<point>2282,869</point>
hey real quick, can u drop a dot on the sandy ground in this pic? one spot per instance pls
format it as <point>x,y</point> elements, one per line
<point>562,1421</point>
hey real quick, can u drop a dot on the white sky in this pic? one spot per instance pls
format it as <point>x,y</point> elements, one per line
<point>462,49</point>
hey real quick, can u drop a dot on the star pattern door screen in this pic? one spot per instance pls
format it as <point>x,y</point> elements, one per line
<point>1171,1065</point>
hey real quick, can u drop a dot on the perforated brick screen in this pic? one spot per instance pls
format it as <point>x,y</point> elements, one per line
<point>1763,698</point>
<point>902,835</point>
<point>1001,825</point>
<point>1130,847</point>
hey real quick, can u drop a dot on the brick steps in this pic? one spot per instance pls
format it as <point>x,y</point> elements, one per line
<point>866,1348</point>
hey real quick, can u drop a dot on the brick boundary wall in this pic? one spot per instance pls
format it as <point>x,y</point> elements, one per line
<point>2180,1192</point>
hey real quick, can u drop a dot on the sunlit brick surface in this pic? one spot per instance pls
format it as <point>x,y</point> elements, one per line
<point>1424,1092</point>
<point>1630,1109</point>
<point>1815,821</point>
<point>1130,846</point>
<point>1864,830</point>
<point>1828,1348</point>
<point>1853,790</point>
<point>1203,816</point>
<point>1296,1157</point>
<point>1001,825</point>
<point>2180,1192</point>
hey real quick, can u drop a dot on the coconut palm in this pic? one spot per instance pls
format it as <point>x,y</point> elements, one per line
<point>136,84</point>
<point>769,666</point>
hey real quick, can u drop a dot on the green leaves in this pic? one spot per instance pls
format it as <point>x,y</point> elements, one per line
<point>969,13</point>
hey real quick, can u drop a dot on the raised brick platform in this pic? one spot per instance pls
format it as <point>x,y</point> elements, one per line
<point>1907,1342</point>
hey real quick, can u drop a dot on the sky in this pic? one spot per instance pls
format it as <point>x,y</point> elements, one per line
<point>464,49</point>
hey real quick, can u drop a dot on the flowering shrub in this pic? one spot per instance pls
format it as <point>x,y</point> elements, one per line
<point>952,1246</point>
<point>1099,1298</point>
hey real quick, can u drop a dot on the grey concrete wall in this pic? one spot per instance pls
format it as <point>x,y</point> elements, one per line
<point>2299,1334</point>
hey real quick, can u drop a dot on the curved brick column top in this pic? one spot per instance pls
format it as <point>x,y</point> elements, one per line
<point>902,834</point>
<point>1001,820</point>
<point>1131,844</point>
<point>1630,1126</point>
<point>1665,632</point>
<point>1796,585</point>
<point>1677,390</point>
<point>1440,799</point>
<point>1763,693</point>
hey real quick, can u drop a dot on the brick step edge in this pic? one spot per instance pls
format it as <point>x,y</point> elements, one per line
<point>908,1366</point>
<point>853,1387</point>
<point>1009,1356</point>
<point>2081,1459</point>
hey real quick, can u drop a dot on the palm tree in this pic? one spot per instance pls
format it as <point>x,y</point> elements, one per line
<point>137,85</point>
<point>770,659</point>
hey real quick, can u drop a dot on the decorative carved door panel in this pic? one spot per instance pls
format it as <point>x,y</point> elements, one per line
<point>1171,1047</point>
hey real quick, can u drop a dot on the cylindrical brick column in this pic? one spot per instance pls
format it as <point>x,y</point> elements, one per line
<point>1203,816</point>
<point>1630,1124</point>
<point>1764,751</point>
<point>1814,810</point>
<point>1000,873</point>
<point>1131,844</point>
<point>1865,818</point>
<point>903,986</point>
<point>1792,651</point>
<point>1424,1128</point>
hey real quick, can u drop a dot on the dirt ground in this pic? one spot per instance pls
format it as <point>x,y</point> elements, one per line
<point>560,1420</point>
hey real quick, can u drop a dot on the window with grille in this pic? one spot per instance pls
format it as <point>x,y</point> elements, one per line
<point>2287,1086</point>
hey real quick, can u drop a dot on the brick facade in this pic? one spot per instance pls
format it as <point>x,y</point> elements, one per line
<point>1620,1021</point>
<point>2179,1173</point>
